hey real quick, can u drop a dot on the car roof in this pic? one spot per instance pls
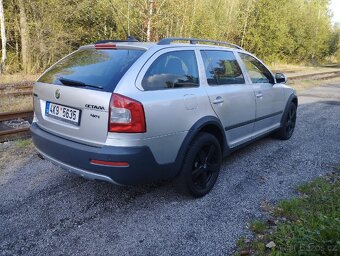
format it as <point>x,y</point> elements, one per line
<point>149,45</point>
<point>131,42</point>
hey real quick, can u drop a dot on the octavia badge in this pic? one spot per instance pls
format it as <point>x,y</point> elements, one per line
<point>57,94</point>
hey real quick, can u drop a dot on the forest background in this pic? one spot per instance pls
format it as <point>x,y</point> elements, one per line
<point>36,33</point>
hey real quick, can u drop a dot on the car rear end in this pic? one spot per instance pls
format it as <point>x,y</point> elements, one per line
<point>75,111</point>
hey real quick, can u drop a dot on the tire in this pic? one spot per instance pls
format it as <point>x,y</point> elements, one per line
<point>288,125</point>
<point>201,165</point>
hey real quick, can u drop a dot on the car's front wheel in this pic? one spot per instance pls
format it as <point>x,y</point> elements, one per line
<point>288,126</point>
<point>201,165</point>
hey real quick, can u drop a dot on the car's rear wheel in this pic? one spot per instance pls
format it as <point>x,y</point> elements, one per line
<point>289,121</point>
<point>201,165</point>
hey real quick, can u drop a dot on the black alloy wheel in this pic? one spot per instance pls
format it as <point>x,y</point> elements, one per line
<point>291,120</point>
<point>288,125</point>
<point>201,165</point>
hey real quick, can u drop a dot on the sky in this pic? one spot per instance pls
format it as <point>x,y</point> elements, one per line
<point>335,8</point>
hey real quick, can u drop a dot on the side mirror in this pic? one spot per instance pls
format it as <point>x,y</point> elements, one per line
<point>281,78</point>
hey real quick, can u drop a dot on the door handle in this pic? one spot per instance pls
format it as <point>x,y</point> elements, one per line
<point>259,95</point>
<point>218,100</point>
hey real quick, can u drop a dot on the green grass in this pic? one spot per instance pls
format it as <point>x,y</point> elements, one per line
<point>307,225</point>
<point>11,104</point>
<point>16,78</point>
<point>13,152</point>
<point>23,143</point>
<point>314,226</point>
<point>258,226</point>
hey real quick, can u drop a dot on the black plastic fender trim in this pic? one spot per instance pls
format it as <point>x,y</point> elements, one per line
<point>193,131</point>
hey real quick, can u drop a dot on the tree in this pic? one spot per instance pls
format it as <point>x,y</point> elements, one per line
<point>3,38</point>
<point>277,31</point>
<point>149,23</point>
<point>24,34</point>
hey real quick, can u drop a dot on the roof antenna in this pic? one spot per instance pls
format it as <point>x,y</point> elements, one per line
<point>132,39</point>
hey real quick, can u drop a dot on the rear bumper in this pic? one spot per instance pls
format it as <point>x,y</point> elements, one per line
<point>76,157</point>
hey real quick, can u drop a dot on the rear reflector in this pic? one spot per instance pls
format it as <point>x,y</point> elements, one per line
<point>100,162</point>
<point>105,46</point>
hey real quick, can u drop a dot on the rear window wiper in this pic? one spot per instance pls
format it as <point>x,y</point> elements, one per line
<point>71,82</point>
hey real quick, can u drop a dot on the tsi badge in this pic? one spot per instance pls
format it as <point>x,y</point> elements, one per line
<point>57,94</point>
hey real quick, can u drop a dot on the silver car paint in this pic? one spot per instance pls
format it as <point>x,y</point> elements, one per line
<point>93,123</point>
<point>169,113</point>
<point>234,104</point>
<point>269,99</point>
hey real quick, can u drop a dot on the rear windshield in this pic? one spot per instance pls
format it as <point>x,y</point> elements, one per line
<point>91,68</point>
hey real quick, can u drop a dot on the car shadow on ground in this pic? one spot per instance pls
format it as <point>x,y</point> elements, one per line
<point>60,181</point>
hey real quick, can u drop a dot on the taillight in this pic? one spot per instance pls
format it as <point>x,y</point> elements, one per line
<point>126,115</point>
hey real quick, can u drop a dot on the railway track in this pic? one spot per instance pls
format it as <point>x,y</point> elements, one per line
<point>20,85</point>
<point>17,93</point>
<point>16,90</point>
<point>25,88</point>
<point>316,76</point>
<point>9,133</point>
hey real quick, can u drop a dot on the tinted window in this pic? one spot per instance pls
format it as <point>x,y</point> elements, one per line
<point>96,68</point>
<point>221,67</point>
<point>258,73</point>
<point>172,70</point>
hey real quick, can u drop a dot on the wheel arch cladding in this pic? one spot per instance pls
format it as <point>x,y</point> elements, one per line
<point>292,98</point>
<point>208,124</point>
<point>295,100</point>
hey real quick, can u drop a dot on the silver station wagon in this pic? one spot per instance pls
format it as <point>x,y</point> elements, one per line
<point>131,112</point>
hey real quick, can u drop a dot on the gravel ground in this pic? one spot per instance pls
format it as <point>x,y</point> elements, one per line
<point>47,211</point>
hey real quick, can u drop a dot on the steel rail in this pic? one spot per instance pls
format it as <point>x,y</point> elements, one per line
<point>14,131</point>
<point>14,115</point>
<point>330,74</point>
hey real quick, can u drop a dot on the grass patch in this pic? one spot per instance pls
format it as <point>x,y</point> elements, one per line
<point>12,151</point>
<point>258,226</point>
<point>16,78</point>
<point>307,225</point>
<point>301,69</point>
<point>11,104</point>
<point>8,85</point>
<point>301,85</point>
<point>22,144</point>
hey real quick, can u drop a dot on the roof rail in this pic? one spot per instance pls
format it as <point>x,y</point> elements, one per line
<point>196,40</point>
<point>129,39</point>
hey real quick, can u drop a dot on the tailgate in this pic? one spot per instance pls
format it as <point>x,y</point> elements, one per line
<point>72,97</point>
<point>85,117</point>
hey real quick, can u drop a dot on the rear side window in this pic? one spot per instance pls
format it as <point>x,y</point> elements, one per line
<point>221,68</point>
<point>91,68</point>
<point>257,71</point>
<point>176,69</point>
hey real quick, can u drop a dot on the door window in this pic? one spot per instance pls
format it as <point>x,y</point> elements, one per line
<point>257,71</point>
<point>221,68</point>
<point>176,69</point>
